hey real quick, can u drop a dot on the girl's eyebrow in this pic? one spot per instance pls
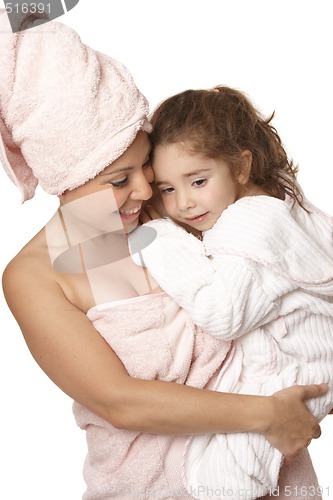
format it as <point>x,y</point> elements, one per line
<point>197,172</point>
<point>189,174</point>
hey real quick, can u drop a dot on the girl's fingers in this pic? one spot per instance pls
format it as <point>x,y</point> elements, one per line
<point>152,213</point>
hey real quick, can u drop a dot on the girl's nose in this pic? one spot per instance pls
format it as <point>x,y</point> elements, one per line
<point>184,201</point>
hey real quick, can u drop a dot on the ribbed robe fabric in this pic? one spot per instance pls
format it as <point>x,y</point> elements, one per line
<point>154,338</point>
<point>262,278</point>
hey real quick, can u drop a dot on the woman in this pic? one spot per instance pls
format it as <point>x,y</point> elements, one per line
<point>73,121</point>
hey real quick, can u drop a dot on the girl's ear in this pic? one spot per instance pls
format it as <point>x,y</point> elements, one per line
<point>245,166</point>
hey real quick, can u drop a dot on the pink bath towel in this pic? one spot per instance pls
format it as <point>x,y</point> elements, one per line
<point>66,110</point>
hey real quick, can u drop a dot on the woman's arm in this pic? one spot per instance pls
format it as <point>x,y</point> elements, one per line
<point>71,352</point>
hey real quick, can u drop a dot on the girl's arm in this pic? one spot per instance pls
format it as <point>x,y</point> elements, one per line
<point>226,296</point>
<point>71,352</point>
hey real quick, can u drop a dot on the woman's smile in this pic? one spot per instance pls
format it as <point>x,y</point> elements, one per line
<point>130,214</point>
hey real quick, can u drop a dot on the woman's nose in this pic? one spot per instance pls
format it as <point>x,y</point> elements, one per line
<point>142,189</point>
<point>149,173</point>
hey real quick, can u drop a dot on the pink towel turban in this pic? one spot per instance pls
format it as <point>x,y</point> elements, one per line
<point>66,111</point>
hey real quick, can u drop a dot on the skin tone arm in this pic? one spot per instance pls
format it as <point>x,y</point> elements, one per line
<point>71,352</point>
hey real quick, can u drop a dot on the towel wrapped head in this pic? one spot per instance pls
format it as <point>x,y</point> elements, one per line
<point>66,110</point>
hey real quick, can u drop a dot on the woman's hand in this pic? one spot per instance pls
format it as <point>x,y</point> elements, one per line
<point>292,425</point>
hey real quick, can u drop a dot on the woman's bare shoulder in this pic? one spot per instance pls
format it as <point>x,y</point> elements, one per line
<point>31,279</point>
<point>29,271</point>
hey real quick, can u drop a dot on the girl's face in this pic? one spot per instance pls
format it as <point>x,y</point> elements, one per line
<point>195,190</point>
<point>113,199</point>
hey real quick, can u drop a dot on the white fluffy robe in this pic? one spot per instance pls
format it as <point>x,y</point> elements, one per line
<point>263,278</point>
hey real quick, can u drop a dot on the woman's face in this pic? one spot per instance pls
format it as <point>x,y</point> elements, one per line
<point>113,199</point>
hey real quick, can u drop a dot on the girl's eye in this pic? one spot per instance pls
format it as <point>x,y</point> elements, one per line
<point>167,190</point>
<point>200,182</point>
<point>120,183</point>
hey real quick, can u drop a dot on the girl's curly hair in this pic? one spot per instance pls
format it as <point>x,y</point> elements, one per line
<point>222,123</point>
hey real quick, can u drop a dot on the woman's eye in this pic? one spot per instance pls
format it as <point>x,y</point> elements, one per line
<point>200,182</point>
<point>120,183</point>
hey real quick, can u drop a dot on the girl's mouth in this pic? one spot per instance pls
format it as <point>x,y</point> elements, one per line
<point>198,219</point>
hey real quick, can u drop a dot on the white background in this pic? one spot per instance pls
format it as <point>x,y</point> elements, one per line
<point>280,53</point>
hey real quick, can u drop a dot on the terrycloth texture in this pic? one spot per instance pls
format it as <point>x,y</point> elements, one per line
<point>155,339</point>
<point>134,466</point>
<point>66,111</point>
<point>268,284</point>
<point>297,480</point>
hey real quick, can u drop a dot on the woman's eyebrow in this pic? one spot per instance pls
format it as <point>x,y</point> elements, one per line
<point>123,169</point>
<point>117,171</point>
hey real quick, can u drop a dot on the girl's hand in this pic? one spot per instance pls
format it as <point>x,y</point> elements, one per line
<point>153,208</point>
<point>149,213</point>
<point>293,426</point>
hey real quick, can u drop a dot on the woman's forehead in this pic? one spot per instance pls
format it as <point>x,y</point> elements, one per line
<point>136,152</point>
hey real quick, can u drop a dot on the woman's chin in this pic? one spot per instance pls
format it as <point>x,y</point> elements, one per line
<point>128,228</point>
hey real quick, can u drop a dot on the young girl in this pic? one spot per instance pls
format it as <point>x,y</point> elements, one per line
<point>262,277</point>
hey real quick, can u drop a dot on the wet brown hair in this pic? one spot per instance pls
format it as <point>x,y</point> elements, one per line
<point>222,123</point>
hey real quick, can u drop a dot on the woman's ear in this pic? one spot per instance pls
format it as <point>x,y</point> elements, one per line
<point>245,166</point>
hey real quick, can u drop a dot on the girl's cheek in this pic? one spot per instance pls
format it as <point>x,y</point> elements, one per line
<point>170,206</point>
